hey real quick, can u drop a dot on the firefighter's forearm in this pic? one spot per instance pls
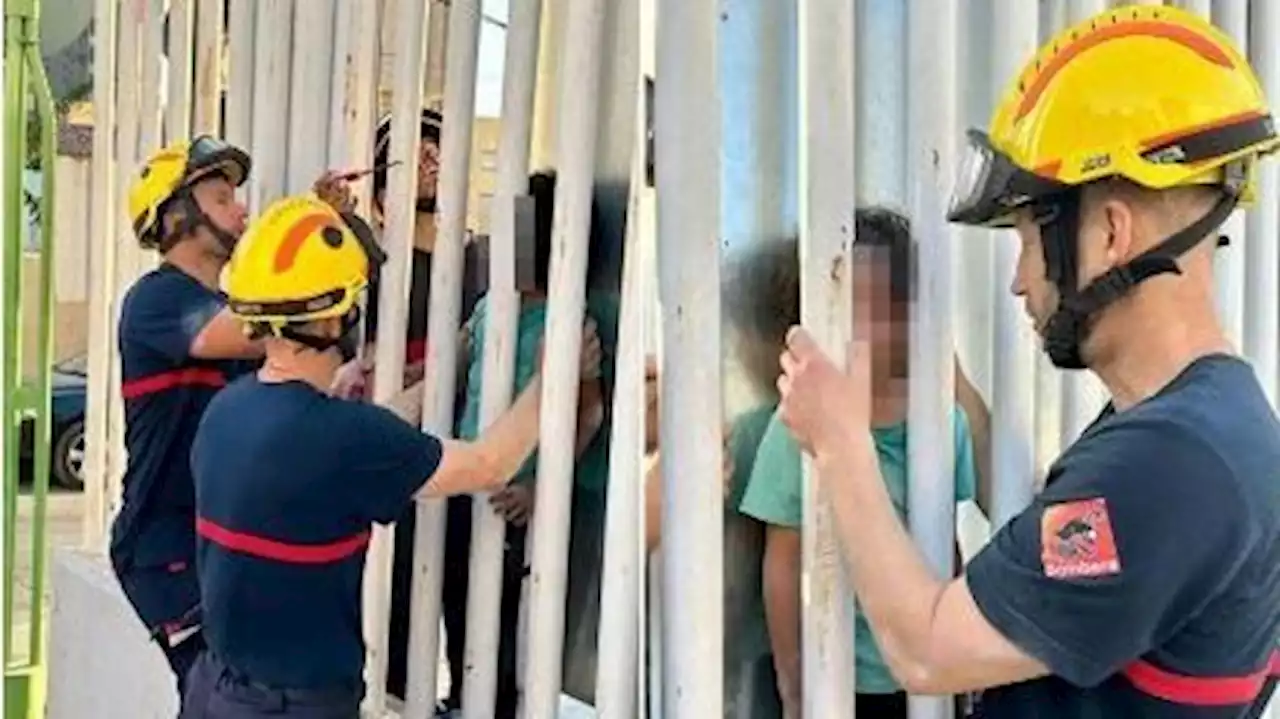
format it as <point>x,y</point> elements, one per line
<point>509,441</point>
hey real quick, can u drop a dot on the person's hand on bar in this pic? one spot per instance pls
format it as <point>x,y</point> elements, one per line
<point>590,357</point>
<point>821,404</point>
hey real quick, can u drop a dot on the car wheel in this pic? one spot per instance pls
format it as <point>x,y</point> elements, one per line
<point>67,457</point>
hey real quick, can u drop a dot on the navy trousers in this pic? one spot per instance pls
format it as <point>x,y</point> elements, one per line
<point>164,599</point>
<point>216,691</point>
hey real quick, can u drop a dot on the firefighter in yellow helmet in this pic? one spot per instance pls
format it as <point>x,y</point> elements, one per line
<point>1142,582</point>
<point>179,345</point>
<point>290,479</point>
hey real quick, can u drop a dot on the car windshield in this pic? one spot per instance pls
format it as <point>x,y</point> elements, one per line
<point>73,365</point>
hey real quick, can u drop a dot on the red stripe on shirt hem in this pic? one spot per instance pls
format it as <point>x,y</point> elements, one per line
<point>264,548</point>
<point>1200,691</point>
<point>189,377</point>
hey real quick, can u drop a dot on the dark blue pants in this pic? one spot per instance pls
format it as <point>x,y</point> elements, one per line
<point>216,691</point>
<point>163,597</point>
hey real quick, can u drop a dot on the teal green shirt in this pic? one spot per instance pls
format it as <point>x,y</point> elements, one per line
<point>775,496</point>
<point>593,466</point>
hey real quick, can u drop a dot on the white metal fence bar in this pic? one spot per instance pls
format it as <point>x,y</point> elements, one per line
<point>397,242</point>
<point>577,120</point>
<point>488,528</point>
<point>102,272</point>
<point>826,70</point>
<point>1262,247</point>
<point>931,103</point>
<point>622,571</point>
<point>310,80</point>
<point>1014,353</point>
<point>688,178</point>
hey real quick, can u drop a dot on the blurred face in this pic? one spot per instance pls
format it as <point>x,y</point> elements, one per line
<point>886,319</point>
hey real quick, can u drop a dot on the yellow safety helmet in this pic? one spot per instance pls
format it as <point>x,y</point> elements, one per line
<point>1154,95</point>
<point>169,174</point>
<point>299,262</point>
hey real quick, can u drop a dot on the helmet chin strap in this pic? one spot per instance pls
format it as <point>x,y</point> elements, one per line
<point>1069,325</point>
<point>346,342</point>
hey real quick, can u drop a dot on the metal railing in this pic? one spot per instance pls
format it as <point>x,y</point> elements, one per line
<point>28,103</point>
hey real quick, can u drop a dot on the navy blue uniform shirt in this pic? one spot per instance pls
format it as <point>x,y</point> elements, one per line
<point>288,484</point>
<point>165,393</point>
<point>1146,576</point>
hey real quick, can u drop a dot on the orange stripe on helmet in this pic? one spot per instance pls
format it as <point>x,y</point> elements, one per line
<point>1188,38</point>
<point>296,236</point>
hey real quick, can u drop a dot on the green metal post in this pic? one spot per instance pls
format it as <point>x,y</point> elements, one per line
<point>15,104</point>
<point>25,76</point>
<point>40,390</point>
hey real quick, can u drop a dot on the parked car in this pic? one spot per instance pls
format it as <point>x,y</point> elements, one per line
<point>68,383</point>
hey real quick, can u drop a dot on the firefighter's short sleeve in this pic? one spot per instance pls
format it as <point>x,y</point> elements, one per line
<point>166,311</point>
<point>390,461</point>
<point>1139,527</point>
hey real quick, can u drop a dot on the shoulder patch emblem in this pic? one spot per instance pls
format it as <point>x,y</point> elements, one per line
<point>1076,540</point>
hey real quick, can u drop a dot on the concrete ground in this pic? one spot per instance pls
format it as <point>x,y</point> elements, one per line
<point>64,527</point>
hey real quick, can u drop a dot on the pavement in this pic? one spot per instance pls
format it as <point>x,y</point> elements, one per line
<point>64,526</point>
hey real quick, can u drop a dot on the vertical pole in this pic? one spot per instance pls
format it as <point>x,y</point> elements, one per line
<point>1014,353</point>
<point>443,320</point>
<point>182,25</point>
<point>241,38</point>
<point>273,40</point>
<point>309,92</point>
<point>208,80</point>
<point>931,101</point>
<point>546,96</point>
<point>882,102</point>
<point>1048,379</point>
<point>622,573</point>
<point>1082,392</point>
<point>437,48</point>
<point>151,114</point>
<point>16,108</point>
<point>577,123</point>
<point>1232,16</point>
<point>102,272</point>
<point>402,187</point>
<point>151,117</point>
<point>1262,249</point>
<point>688,173</point>
<point>127,248</point>
<point>354,90</point>
<point>1200,7</point>
<point>826,63</point>
<point>47,114</point>
<point>488,528</point>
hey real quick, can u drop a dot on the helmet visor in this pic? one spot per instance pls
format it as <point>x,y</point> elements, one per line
<point>990,186</point>
<point>208,155</point>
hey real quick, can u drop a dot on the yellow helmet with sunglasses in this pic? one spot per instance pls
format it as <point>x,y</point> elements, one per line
<point>1155,96</point>
<point>166,180</point>
<point>301,261</point>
